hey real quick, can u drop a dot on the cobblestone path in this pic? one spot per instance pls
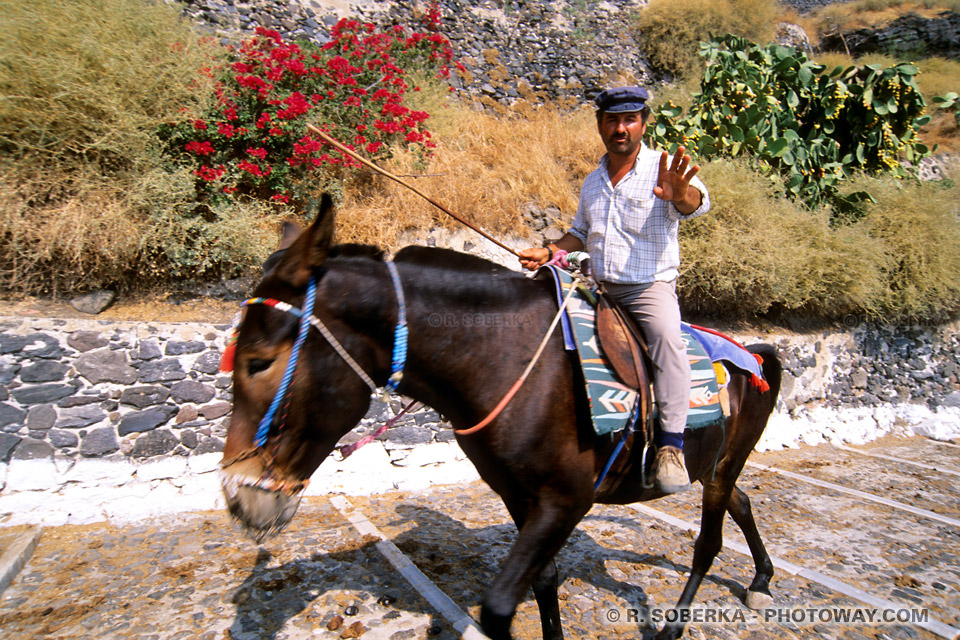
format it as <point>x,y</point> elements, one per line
<point>196,576</point>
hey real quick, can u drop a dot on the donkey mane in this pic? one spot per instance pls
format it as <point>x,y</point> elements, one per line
<point>465,279</point>
<point>449,260</point>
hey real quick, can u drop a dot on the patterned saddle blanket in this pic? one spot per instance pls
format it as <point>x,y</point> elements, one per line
<point>612,403</point>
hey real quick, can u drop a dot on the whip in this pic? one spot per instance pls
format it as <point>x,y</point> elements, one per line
<point>386,173</point>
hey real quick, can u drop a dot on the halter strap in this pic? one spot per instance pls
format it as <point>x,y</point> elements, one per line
<point>400,333</point>
<point>263,429</point>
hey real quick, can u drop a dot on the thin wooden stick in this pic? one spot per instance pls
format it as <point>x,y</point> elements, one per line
<point>366,162</point>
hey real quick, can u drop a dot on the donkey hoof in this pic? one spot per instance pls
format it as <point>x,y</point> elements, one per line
<point>757,600</point>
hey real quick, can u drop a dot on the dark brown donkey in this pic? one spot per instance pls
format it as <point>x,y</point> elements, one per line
<point>540,454</point>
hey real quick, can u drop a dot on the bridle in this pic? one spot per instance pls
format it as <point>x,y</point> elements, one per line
<point>307,319</point>
<point>400,335</point>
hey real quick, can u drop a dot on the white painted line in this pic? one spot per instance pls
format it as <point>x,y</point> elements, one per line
<point>952,472</point>
<point>859,494</point>
<point>440,601</point>
<point>935,626</point>
<point>785,565</point>
<point>16,556</point>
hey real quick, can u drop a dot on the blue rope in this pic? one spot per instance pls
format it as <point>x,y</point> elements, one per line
<point>399,334</point>
<point>264,429</point>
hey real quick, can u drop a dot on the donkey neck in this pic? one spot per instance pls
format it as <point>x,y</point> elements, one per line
<point>473,326</point>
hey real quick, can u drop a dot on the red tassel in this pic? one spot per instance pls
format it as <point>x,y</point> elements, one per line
<point>759,383</point>
<point>226,360</point>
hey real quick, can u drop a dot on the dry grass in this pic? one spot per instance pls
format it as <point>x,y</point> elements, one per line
<point>918,226</point>
<point>66,240</point>
<point>86,82</point>
<point>755,253</point>
<point>671,30</point>
<point>486,172</point>
<point>84,201</point>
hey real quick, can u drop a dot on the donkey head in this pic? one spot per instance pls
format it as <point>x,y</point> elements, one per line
<point>264,475</point>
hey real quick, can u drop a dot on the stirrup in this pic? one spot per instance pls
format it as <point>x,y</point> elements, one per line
<point>645,482</point>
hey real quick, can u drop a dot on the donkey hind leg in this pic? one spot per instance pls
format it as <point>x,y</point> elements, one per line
<point>543,531</point>
<point>758,593</point>
<point>706,548</point>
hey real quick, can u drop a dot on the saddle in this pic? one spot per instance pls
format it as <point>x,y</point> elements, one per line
<point>618,370</point>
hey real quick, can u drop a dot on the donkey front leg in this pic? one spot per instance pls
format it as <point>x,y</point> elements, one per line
<point>530,562</point>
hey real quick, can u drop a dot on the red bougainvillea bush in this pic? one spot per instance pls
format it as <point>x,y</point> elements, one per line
<point>252,141</point>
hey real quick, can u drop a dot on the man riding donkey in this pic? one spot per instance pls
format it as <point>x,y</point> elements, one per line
<point>627,220</point>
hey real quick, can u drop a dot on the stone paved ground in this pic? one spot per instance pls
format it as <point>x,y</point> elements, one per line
<point>196,576</point>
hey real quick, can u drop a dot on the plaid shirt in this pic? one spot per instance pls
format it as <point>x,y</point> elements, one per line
<point>630,233</point>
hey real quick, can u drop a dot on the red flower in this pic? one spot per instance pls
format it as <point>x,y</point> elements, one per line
<point>209,174</point>
<point>253,169</point>
<point>200,148</point>
<point>199,125</point>
<point>297,105</point>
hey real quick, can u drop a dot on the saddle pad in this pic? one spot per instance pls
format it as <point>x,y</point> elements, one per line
<point>612,404</point>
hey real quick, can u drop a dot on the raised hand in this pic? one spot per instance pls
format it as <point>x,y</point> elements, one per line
<point>673,182</point>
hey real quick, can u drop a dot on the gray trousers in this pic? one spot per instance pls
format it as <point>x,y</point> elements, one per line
<point>655,308</point>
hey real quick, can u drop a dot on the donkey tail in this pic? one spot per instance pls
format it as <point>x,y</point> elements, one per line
<point>772,369</point>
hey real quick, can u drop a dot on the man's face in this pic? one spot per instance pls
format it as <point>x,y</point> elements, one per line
<point>622,132</point>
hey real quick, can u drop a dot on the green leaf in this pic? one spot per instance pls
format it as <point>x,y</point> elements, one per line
<point>793,183</point>
<point>908,69</point>
<point>777,147</point>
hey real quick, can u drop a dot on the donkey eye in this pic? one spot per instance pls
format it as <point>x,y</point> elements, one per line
<point>256,365</point>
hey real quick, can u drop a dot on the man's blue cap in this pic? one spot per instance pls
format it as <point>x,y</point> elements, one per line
<point>622,99</point>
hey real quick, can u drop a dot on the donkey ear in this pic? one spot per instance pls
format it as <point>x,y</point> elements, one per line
<point>288,234</point>
<point>310,249</point>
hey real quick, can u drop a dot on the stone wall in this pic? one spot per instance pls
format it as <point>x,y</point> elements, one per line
<point>909,34</point>
<point>569,48</point>
<point>124,420</point>
<point>539,49</point>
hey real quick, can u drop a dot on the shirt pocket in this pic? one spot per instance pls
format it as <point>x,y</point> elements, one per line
<point>639,219</point>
